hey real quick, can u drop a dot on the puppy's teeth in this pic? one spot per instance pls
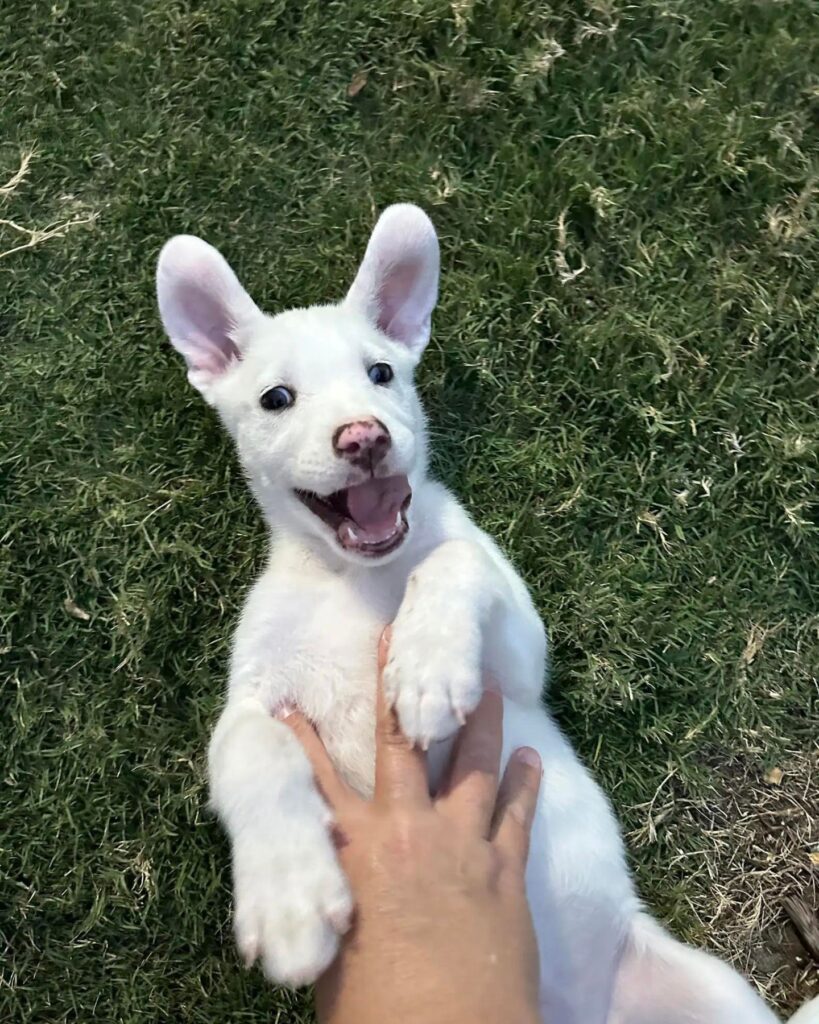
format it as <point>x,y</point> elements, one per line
<point>398,519</point>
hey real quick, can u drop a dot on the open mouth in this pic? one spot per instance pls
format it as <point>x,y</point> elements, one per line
<point>369,518</point>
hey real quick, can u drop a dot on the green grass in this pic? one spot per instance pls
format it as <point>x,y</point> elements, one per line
<point>641,436</point>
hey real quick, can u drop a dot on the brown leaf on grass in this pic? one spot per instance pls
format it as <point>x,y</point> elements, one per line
<point>774,776</point>
<point>75,611</point>
<point>806,922</point>
<point>357,83</point>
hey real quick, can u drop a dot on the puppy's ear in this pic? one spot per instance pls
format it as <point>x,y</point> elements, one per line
<point>397,283</point>
<point>202,306</point>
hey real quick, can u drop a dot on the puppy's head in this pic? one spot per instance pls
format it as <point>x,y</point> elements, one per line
<point>320,401</point>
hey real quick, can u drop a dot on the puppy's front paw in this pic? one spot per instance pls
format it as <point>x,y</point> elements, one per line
<point>292,902</point>
<point>433,671</point>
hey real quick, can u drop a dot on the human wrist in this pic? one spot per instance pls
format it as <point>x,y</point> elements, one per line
<point>525,1013</point>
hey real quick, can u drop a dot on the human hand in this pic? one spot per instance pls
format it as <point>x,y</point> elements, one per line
<point>442,932</point>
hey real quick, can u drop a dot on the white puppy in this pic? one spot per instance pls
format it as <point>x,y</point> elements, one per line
<point>321,405</point>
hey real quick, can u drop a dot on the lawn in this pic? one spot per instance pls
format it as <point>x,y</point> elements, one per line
<point>622,386</point>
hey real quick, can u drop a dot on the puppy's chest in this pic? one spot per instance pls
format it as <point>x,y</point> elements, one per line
<point>324,644</point>
<point>339,687</point>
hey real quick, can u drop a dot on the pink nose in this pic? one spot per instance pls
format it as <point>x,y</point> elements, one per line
<point>364,443</point>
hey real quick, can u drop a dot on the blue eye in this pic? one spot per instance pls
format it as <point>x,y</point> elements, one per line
<point>276,399</point>
<point>380,373</point>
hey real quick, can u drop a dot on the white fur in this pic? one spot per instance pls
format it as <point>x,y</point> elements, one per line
<point>808,1014</point>
<point>309,630</point>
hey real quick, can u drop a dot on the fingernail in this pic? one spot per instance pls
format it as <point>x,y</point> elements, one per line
<point>384,647</point>
<point>529,756</point>
<point>284,711</point>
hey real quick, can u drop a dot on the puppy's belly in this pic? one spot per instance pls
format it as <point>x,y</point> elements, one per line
<point>351,746</point>
<point>579,888</point>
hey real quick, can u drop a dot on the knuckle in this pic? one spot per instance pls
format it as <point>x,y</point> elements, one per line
<point>484,861</point>
<point>515,822</point>
<point>520,811</point>
<point>298,724</point>
<point>512,876</point>
<point>391,734</point>
<point>389,729</point>
<point>404,837</point>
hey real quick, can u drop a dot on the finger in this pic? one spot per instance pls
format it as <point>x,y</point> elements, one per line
<point>335,789</point>
<point>515,808</point>
<point>471,790</point>
<point>400,769</point>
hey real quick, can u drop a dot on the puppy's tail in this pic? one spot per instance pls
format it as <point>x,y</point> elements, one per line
<point>662,981</point>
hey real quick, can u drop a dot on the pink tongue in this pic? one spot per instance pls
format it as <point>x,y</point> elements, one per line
<point>375,504</point>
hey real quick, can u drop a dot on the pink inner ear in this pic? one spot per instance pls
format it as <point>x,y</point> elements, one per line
<point>204,354</point>
<point>396,286</point>
<point>207,344</point>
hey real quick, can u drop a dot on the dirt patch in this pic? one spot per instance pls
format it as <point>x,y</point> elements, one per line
<point>754,868</point>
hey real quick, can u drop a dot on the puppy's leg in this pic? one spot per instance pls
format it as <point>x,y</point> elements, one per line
<point>463,612</point>
<point>291,898</point>
<point>662,981</point>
